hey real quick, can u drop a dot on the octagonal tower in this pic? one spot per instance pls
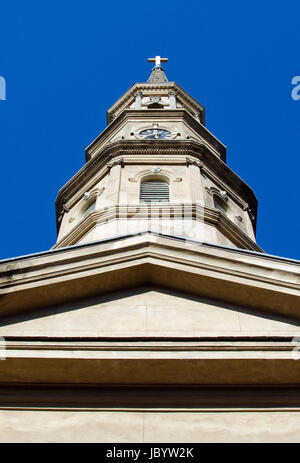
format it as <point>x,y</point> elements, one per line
<point>156,167</point>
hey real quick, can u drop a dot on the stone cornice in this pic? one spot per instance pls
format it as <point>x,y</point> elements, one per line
<point>144,212</point>
<point>124,100</point>
<point>184,148</point>
<point>246,280</point>
<point>158,114</point>
<point>53,363</point>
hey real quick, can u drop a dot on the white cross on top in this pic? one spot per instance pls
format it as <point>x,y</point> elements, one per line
<point>157,60</point>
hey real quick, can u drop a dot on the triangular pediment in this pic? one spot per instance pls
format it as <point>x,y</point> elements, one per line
<point>148,312</point>
<point>184,99</point>
<point>240,278</point>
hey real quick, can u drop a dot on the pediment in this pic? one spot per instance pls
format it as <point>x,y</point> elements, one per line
<point>237,277</point>
<point>184,99</point>
<point>148,312</point>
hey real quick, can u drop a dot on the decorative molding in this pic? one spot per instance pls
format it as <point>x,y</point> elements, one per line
<point>160,172</point>
<point>86,195</point>
<point>92,193</point>
<point>207,381</point>
<point>222,193</point>
<point>213,167</point>
<point>89,197</point>
<point>123,102</point>
<point>240,277</point>
<point>235,197</point>
<point>155,100</point>
<point>116,162</point>
<point>194,162</point>
<point>98,191</point>
<point>210,216</point>
<point>210,140</point>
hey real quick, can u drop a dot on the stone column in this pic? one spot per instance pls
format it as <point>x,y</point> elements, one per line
<point>172,99</point>
<point>138,99</point>
<point>113,184</point>
<point>195,180</point>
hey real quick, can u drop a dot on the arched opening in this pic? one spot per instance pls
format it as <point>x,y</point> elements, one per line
<point>220,204</point>
<point>91,207</point>
<point>154,191</point>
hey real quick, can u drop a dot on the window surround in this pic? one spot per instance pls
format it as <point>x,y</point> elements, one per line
<point>154,178</point>
<point>88,207</point>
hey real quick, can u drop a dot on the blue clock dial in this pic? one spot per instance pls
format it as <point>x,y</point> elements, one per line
<point>155,134</point>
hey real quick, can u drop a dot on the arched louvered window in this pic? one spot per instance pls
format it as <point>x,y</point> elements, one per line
<point>90,208</point>
<point>154,191</point>
<point>220,204</point>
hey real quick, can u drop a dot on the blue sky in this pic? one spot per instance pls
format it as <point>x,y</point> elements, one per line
<point>65,62</point>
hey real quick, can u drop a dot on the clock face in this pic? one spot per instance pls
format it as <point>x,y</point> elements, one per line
<point>156,134</point>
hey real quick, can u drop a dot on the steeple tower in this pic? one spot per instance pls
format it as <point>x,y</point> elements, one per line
<point>156,168</point>
<point>155,323</point>
<point>157,75</point>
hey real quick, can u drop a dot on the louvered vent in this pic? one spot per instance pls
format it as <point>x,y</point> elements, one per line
<point>90,208</point>
<point>220,204</point>
<point>155,191</point>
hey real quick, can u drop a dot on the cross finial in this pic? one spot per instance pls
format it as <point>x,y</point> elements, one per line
<point>157,60</point>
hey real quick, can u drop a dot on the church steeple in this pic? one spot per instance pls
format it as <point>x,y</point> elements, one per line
<point>156,167</point>
<point>157,75</point>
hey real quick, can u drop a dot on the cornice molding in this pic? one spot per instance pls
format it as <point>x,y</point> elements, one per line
<point>159,368</point>
<point>229,275</point>
<point>128,96</point>
<point>197,212</point>
<point>218,147</point>
<point>185,148</point>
